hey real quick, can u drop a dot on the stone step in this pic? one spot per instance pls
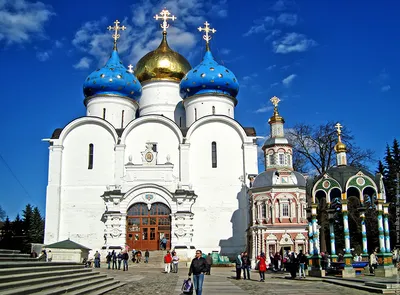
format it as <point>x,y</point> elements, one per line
<point>19,268</point>
<point>6,251</point>
<point>18,258</point>
<point>55,278</point>
<point>98,289</point>
<point>39,273</point>
<point>68,284</point>
<point>79,288</point>
<point>359,286</point>
<point>11,255</point>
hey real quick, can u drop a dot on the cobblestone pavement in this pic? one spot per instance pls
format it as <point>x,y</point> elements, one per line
<point>145,280</point>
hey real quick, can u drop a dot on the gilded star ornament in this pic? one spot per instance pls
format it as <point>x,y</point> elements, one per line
<point>116,28</point>
<point>164,15</point>
<point>275,101</point>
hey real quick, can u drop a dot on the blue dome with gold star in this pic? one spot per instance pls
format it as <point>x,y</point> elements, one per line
<point>113,79</point>
<point>209,77</point>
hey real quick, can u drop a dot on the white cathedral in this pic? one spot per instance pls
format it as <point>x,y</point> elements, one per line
<point>158,154</point>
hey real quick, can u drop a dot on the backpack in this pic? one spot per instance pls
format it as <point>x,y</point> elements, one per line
<point>187,287</point>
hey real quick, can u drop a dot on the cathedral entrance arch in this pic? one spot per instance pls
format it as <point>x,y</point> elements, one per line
<point>147,225</point>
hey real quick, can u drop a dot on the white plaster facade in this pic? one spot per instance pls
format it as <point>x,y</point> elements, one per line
<point>209,206</point>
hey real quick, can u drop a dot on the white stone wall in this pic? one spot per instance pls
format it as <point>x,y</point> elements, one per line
<point>119,111</point>
<point>201,106</point>
<point>162,98</point>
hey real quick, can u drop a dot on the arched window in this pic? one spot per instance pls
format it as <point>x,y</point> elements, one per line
<point>271,159</point>
<point>104,113</point>
<point>281,159</point>
<point>180,121</point>
<point>195,114</point>
<point>263,211</point>
<point>213,110</point>
<point>289,160</point>
<point>91,151</point>
<point>122,119</point>
<point>214,154</point>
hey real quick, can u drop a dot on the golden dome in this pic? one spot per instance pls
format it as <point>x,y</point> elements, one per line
<point>340,147</point>
<point>162,64</point>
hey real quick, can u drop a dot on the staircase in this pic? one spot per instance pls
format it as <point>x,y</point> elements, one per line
<point>20,274</point>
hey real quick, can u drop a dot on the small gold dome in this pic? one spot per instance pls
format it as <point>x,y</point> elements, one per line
<point>162,64</point>
<point>340,147</point>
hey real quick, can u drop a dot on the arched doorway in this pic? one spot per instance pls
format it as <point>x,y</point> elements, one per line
<point>145,228</point>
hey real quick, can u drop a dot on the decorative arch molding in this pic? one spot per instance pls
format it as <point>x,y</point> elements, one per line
<point>326,183</point>
<point>86,121</point>
<point>272,237</point>
<point>221,119</point>
<point>314,195</point>
<point>362,181</point>
<point>152,118</point>
<point>149,194</point>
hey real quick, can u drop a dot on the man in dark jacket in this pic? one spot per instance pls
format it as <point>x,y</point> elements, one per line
<point>198,267</point>
<point>209,262</point>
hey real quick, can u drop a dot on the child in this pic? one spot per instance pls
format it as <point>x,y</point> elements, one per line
<point>187,286</point>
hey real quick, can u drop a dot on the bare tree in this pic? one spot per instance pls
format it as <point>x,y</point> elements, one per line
<point>313,147</point>
<point>2,214</point>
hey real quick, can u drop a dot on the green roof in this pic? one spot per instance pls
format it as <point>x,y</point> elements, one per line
<point>67,244</point>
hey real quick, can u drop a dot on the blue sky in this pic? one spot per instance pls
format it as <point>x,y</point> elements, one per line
<point>327,60</point>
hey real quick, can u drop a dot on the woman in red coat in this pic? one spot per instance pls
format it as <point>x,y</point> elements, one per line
<point>262,266</point>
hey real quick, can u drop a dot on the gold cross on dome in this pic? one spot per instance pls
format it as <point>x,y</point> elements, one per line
<point>116,28</point>
<point>164,16</point>
<point>275,101</point>
<point>130,67</point>
<point>207,30</point>
<point>339,127</point>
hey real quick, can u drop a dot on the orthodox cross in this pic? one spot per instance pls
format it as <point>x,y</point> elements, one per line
<point>275,101</point>
<point>116,28</point>
<point>339,128</point>
<point>164,16</point>
<point>207,30</point>
<point>130,67</point>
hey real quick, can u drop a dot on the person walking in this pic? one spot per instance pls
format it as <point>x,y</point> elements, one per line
<point>246,266</point>
<point>262,266</point>
<point>119,258</point>
<point>238,264</point>
<point>175,261</point>
<point>373,262</point>
<point>146,256</point>
<point>209,262</point>
<point>97,259</point>
<point>125,258</point>
<point>114,259</point>
<point>302,263</point>
<point>167,262</point>
<point>198,267</point>
<point>49,256</point>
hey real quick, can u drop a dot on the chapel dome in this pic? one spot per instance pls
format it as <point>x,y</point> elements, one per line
<point>162,64</point>
<point>209,77</point>
<point>271,178</point>
<point>113,79</point>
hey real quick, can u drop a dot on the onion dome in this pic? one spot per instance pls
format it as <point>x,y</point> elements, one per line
<point>162,64</point>
<point>209,77</point>
<point>113,79</point>
<point>340,147</point>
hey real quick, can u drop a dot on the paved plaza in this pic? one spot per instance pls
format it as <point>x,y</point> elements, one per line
<point>149,280</point>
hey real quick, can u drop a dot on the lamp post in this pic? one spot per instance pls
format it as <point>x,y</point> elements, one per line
<point>362,211</point>
<point>331,217</point>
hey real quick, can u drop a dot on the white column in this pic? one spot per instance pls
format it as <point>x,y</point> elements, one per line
<point>119,163</point>
<point>53,195</point>
<point>184,163</point>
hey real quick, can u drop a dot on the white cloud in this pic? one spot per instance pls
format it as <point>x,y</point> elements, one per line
<point>225,51</point>
<point>282,5</point>
<point>84,63</point>
<point>272,34</point>
<point>288,80</point>
<point>289,19</point>
<point>293,42</point>
<point>264,109</point>
<point>274,84</point>
<point>21,20</point>
<point>43,56</point>
<point>260,26</point>
<point>271,67</point>
<point>58,44</point>
<point>385,88</point>
<point>143,33</point>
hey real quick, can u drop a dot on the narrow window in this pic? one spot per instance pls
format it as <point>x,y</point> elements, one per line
<point>195,114</point>
<point>214,154</point>
<point>271,160</point>
<point>180,121</point>
<point>263,211</point>
<point>285,210</point>
<point>213,110</point>
<point>122,118</point>
<point>281,159</point>
<point>289,161</point>
<point>104,113</point>
<point>91,148</point>
<point>154,148</point>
